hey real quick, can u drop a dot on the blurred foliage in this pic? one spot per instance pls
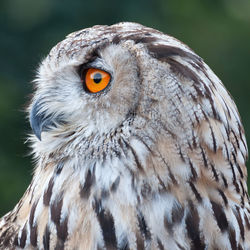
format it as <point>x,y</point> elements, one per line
<point>218,30</point>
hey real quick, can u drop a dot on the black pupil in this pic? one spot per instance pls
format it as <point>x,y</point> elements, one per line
<point>97,77</point>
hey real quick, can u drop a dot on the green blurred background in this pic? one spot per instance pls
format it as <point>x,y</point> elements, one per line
<point>218,30</point>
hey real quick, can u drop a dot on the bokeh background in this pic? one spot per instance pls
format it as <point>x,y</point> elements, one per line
<point>218,30</point>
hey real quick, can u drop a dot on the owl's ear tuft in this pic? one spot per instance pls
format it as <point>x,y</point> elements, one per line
<point>41,121</point>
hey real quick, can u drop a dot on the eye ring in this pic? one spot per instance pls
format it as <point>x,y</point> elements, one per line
<point>95,80</point>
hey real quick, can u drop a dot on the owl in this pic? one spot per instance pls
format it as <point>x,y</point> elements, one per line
<point>137,144</point>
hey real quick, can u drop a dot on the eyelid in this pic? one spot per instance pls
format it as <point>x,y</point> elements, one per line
<point>98,63</point>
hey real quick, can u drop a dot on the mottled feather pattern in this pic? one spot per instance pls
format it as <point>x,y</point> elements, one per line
<point>155,161</point>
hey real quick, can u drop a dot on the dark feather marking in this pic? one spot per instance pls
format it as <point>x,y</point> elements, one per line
<point>124,245</point>
<point>168,225</point>
<point>169,170</point>
<point>177,213</point>
<point>117,153</point>
<point>180,87</point>
<point>15,242</point>
<point>163,52</point>
<point>196,193</point>
<point>181,155</point>
<point>237,165</point>
<point>227,152</point>
<point>99,247</point>
<point>116,39</point>
<point>115,184</point>
<point>33,235</point>
<point>243,190</point>
<point>15,216</point>
<point>107,225</point>
<point>141,38</point>
<point>227,128</point>
<point>199,92</point>
<point>32,212</point>
<point>176,217</point>
<point>220,216</point>
<point>59,168</point>
<point>46,238</point>
<point>213,138</point>
<point>240,247</point>
<point>138,164</point>
<point>204,157</point>
<point>186,72</point>
<point>89,181</point>
<point>145,144</point>
<point>174,104</point>
<point>236,138</point>
<point>62,230</point>
<point>209,97</point>
<point>190,146</point>
<point>239,219</point>
<point>201,68</point>
<point>33,228</point>
<point>104,193</point>
<point>23,237</point>
<point>189,74</point>
<point>146,190</point>
<point>234,178</point>
<point>194,139</point>
<point>216,176</point>
<point>55,210</point>
<point>223,196</point>
<point>172,176</point>
<point>194,174</point>
<point>47,194</point>
<point>243,155</point>
<point>139,241</point>
<point>59,245</point>
<point>132,180</point>
<point>224,180</point>
<point>192,224</point>
<point>121,144</point>
<point>138,199</point>
<point>7,235</point>
<point>232,238</point>
<point>143,226</point>
<point>228,111</point>
<point>242,203</point>
<point>204,115</point>
<point>161,247</point>
<point>181,247</point>
<point>195,100</point>
<point>246,221</point>
<point>240,132</point>
<point>4,234</point>
<point>162,185</point>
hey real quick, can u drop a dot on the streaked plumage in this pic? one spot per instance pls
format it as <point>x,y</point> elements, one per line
<point>155,161</point>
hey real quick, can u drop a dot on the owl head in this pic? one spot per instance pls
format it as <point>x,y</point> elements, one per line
<point>107,88</point>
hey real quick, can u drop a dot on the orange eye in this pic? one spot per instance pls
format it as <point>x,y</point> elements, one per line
<point>96,80</point>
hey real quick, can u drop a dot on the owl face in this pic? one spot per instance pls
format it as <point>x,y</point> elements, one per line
<point>64,103</point>
<point>65,97</point>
